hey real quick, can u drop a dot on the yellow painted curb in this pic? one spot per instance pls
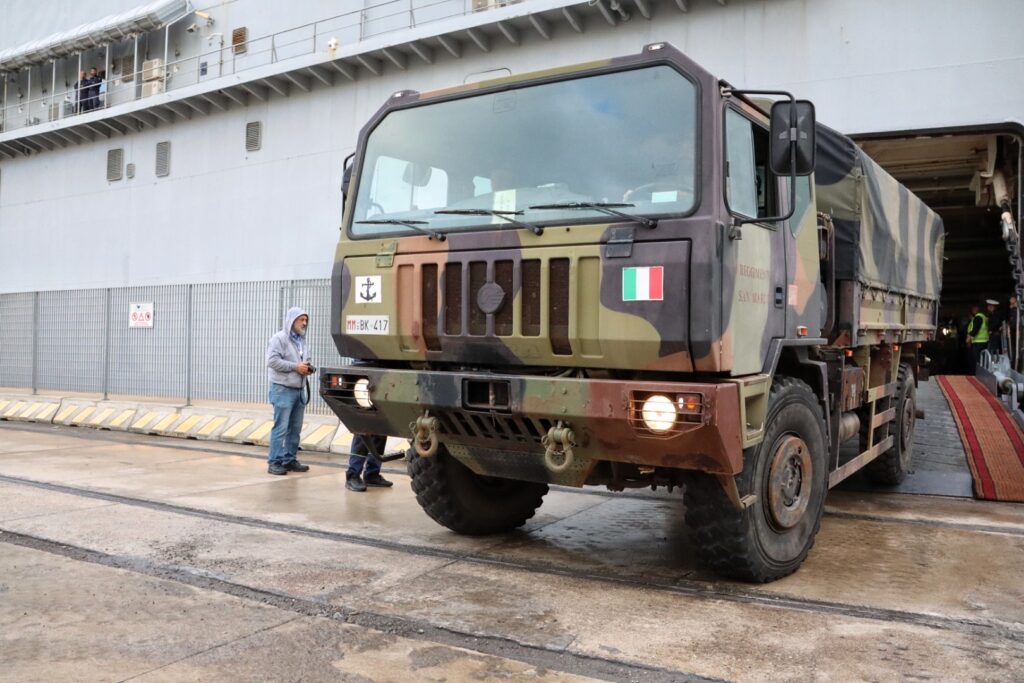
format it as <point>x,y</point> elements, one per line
<point>63,415</point>
<point>261,432</point>
<point>212,426</point>
<point>99,417</point>
<point>122,418</point>
<point>318,435</point>
<point>166,422</point>
<point>237,428</point>
<point>84,413</point>
<point>15,408</point>
<point>46,412</point>
<point>145,420</point>
<point>31,410</point>
<point>188,424</point>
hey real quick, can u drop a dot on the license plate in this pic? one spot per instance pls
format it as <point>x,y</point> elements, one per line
<point>367,324</point>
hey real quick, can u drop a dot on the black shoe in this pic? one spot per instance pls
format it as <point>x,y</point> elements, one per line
<point>274,468</point>
<point>296,466</point>
<point>355,484</point>
<point>377,480</point>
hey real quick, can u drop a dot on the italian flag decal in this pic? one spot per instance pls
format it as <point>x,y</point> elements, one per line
<point>643,284</point>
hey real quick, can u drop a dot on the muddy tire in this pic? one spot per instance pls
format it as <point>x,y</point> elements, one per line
<point>468,503</point>
<point>788,474</point>
<point>893,466</point>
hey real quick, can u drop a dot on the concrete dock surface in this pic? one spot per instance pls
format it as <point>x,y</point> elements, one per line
<point>129,557</point>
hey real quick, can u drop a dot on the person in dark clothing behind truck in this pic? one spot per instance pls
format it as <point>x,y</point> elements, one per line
<point>364,462</point>
<point>288,367</point>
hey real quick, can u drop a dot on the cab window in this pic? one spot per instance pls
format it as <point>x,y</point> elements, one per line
<point>750,188</point>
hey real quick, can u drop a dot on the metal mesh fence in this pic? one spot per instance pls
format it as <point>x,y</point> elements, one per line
<point>231,324</point>
<point>71,339</point>
<point>315,297</point>
<point>16,339</point>
<point>207,342</point>
<point>148,361</point>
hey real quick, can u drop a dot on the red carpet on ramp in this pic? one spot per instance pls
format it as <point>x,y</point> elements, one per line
<point>992,439</point>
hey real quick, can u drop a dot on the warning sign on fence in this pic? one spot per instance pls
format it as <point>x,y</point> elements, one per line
<point>140,314</point>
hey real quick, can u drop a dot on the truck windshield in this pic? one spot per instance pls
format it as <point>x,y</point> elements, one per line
<point>626,137</point>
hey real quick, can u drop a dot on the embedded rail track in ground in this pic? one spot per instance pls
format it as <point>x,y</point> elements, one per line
<point>258,453</point>
<point>679,586</point>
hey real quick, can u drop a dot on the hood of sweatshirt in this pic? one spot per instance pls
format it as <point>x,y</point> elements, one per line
<point>289,318</point>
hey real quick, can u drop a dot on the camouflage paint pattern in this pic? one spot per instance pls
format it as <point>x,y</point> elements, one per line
<point>507,443</point>
<point>886,237</point>
<point>726,303</point>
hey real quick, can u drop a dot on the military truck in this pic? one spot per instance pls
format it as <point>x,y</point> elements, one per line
<point>629,273</point>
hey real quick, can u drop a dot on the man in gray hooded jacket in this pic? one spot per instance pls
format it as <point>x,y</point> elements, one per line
<point>287,368</point>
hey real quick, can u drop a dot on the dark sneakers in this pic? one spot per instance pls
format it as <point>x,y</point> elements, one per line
<point>274,468</point>
<point>296,466</point>
<point>377,480</point>
<point>355,484</point>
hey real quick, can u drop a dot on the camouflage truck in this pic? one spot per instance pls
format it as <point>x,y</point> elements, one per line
<point>630,274</point>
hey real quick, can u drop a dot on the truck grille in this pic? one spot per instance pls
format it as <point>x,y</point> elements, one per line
<point>449,305</point>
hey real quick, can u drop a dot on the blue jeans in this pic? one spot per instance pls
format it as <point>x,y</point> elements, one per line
<point>288,412</point>
<point>361,460</point>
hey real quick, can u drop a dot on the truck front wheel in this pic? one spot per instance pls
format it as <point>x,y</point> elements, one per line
<point>468,503</point>
<point>787,473</point>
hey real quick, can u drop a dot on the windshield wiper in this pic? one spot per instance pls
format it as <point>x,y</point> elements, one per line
<point>505,215</point>
<point>603,207</point>
<point>415,225</point>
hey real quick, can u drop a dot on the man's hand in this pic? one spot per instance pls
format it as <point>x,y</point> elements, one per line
<point>303,368</point>
<point>970,340</point>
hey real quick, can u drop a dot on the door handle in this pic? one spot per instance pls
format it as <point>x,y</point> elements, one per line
<point>779,299</point>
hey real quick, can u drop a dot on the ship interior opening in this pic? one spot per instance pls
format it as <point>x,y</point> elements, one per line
<point>969,178</point>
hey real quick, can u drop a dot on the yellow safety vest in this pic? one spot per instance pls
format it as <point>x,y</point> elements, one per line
<point>981,334</point>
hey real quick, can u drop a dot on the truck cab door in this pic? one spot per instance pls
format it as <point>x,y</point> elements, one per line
<point>754,259</point>
<point>805,291</point>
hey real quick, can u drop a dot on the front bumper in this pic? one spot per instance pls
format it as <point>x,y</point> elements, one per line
<point>504,437</point>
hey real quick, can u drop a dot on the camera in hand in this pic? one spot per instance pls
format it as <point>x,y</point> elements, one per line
<point>312,368</point>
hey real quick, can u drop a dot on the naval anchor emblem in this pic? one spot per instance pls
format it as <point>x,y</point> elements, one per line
<point>368,290</point>
<point>490,297</point>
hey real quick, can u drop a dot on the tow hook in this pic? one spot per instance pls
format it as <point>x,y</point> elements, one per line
<point>558,444</point>
<point>728,484</point>
<point>424,434</point>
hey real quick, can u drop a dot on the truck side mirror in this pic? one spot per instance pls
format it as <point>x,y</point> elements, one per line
<point>346,174</point>
<point>792,130</point>
<point>346,178</point>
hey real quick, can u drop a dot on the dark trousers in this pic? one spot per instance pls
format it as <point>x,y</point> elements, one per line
<point>976,350</point>
<point>362,460</point>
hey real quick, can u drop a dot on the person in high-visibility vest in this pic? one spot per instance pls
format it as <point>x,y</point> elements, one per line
<point>978,333</point>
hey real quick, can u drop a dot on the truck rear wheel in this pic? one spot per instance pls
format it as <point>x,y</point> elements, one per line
<point>893,466</point>
<point>788,474</point>
<point>467,503</point>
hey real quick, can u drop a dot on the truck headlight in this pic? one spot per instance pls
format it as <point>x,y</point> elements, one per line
<point>658,413</point>
<point>361,392</point>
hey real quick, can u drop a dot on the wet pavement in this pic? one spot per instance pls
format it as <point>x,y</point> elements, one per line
<point>138,558</point>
